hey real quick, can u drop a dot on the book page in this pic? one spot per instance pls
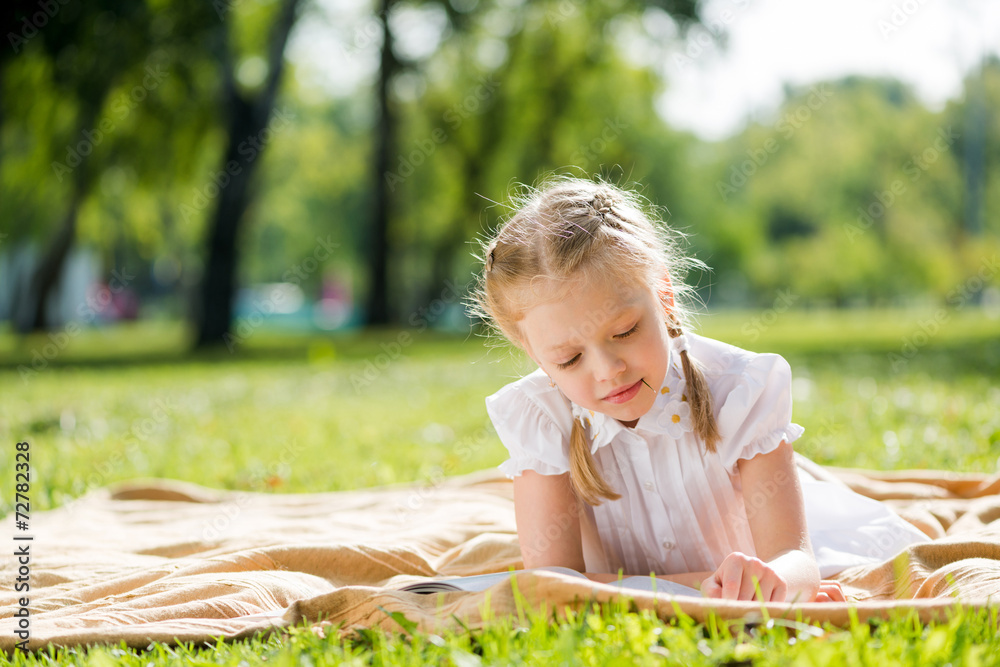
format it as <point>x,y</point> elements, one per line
<point>661,586</point>
<point>478,582</point>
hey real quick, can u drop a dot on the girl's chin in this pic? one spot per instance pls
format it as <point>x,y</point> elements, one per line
<point>630,412</point>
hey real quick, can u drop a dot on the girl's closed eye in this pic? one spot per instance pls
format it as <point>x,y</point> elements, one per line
<point>567,364</point>
<point>629,332</point>
<point>626,334</point>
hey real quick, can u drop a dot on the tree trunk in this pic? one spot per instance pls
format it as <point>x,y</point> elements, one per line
<point>248,119</point>
<point>32,315</point>
<point>219,278</point>
<point>378,238</point>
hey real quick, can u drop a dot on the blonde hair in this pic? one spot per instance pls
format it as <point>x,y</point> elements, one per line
<point>570,227</point>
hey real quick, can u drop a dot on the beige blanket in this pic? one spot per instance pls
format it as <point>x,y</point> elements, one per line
<point>169,561</point>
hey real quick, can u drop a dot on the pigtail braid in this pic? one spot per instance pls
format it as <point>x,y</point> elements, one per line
<point>586,480</point>
<point>698,394</point>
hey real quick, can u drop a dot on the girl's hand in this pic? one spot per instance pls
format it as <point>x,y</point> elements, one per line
<point>830,591</point>
<point>740,575</point>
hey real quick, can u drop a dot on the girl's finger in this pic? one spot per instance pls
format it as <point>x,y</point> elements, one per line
<point>710,588</point>
<point>780,591</point>
<point>832,592</point>
<point>772,589</point>
<point>749,588</point>
<point>766,588</point>
<point>733,581</point>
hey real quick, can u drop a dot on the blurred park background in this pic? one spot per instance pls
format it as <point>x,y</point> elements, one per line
<point>186,185</point>
<point>230,162</point>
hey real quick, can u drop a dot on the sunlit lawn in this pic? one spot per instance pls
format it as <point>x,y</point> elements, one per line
<point>299,414</point>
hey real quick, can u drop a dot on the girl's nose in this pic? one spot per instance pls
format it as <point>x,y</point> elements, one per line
<point>609,365</point>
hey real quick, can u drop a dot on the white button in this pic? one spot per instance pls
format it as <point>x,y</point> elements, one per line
<point>667,544</point>
<point>649,486</point>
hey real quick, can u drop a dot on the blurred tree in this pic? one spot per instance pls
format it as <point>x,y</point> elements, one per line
<point>784,204</point>
<point>107,136</point>
<point>977,124</point>
<point>850,194</point>
<point>248,111</point>
<point>385,129</point>
<point>498,93</point>
<point>80,74</point>
<point>313,193</point>
<point>141,115</point>
<point>512,89</point>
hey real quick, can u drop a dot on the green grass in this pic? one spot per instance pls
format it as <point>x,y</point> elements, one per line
<point>298,414</point>
<point>611,635</point>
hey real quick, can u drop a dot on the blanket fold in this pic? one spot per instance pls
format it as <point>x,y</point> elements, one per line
<point>161,560</point>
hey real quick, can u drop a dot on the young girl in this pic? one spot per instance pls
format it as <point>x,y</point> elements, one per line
<point>638,448</point>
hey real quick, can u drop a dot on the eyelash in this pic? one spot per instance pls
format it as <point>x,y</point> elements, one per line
<point>567,364</point>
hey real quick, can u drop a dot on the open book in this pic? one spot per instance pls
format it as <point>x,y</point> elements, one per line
<point>481,582</point>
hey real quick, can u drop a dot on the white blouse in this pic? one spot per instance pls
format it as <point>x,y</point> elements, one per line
<point>682,508</point>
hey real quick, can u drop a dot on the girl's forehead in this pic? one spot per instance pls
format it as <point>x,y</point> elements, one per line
<point>605,294</point>
<point>580,307</point>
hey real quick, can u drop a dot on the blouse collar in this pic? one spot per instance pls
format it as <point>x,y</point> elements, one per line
<point>670,414</point>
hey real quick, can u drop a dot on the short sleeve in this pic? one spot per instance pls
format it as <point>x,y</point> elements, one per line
<point>755,416</point>
<point>534,425</point>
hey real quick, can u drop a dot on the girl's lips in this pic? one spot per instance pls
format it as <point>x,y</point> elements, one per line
<point>626,394</point>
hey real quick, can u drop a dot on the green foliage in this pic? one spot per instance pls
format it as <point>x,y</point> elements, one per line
<point>29,189</point>
<point>853,194</point>
<point>310,188</point>
<point>508,93</point>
